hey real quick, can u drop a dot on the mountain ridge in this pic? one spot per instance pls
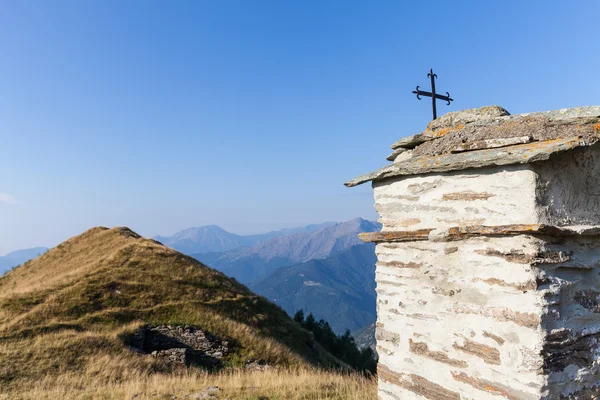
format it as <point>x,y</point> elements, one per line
<point>251,264</point>
<point>18,257</point>
<point>213,238</point>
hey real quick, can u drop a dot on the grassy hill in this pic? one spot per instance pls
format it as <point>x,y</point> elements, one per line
<point>67,317</point>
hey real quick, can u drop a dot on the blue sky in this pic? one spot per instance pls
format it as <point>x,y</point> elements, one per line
<point>250,114</point>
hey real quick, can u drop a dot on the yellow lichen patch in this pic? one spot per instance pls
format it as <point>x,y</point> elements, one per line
<point>540,145</point>
<point>442,132</point>
<point>596,128</point>
<point>445,131</point>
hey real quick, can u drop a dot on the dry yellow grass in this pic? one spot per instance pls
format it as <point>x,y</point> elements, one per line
<point>280,384</point>
<point>85,253</point>
<point>66,319</point>
<point>107,371</point>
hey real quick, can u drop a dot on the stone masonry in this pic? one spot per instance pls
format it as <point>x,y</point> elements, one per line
<point>488,272</point>
<point>181,345</point>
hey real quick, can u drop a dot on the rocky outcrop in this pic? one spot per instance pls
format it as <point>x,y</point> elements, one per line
<point>209,393</point>
<point>181,345</point>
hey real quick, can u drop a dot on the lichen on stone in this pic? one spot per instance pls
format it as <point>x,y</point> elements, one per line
<point>465,117</point>
<point>538,127</point>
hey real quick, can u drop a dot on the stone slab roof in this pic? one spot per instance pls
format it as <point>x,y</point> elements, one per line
<point>488,136</point>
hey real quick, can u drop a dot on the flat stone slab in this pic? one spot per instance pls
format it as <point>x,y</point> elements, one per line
<point>538,126</point>
<point>490,136</point>
<point>490,144</point>
<point>410,142</point>
<point>396,153</point>
<point>469,116</point>
<point>516,154</point>
<point>465,232</point>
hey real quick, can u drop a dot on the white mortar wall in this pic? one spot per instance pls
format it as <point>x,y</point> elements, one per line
<point>481,197</point>
<point>512,317</point>
<point>451,298</point>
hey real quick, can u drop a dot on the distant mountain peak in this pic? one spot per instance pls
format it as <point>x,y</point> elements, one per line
<point>203,228</point>
<point>213,238</point>
<point>27,252</point>
<point>250,264</point>
<point>19,257</point>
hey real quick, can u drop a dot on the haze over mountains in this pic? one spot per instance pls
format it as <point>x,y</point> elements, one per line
<point>213,238</point>
<point>249,265</point>
<point>329,272</point>
<point>19,257</point>
<point>339,288</point>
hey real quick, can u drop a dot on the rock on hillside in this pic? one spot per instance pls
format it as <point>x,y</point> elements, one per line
<point>365,337</point>
<point>77,307</point>
<point>251,264</point>
<point>181,345</point>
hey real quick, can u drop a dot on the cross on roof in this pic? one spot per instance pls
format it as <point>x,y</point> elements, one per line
<point>434,96</point>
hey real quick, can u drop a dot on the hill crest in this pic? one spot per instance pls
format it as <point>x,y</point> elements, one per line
<point>83,301</point>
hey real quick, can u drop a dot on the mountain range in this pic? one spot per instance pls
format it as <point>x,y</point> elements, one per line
<point>249,265</point>
<point>213,238</point>
<point>19,257</point>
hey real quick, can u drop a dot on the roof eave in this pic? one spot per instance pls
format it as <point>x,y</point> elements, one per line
<point>516,154</point>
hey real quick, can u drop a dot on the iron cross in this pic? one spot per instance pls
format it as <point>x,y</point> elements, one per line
<point>434,96</point>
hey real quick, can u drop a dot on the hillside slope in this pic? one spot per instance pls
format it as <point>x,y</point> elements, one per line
<point>339,289</point>
<point>74,309</point>
<point>365,337</point>
<point>249,265</point>
<point>19,257</point>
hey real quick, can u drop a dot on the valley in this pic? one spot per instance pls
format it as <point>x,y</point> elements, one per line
<point>317,271</point>
<point>340,288</point>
